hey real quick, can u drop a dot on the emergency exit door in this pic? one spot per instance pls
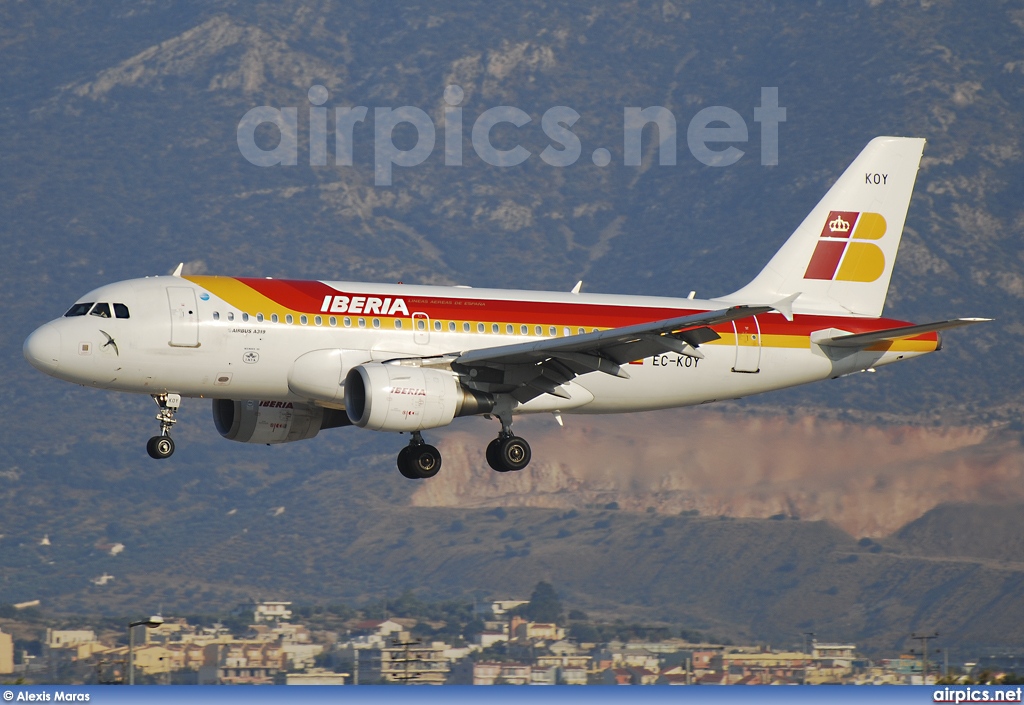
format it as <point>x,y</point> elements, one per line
<point>748,345</point>
<point>184,317</point>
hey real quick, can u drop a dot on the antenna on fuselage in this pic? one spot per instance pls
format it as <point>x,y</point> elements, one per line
<point>579,285</point>
<point>177,270</point>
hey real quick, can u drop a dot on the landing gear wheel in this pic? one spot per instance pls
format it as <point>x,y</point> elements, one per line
<point>513,453</point>
<point>425,460</point>
<point>493,458</point>
<point>418,461</point>
<point>404,466</point>
<point>160,447</point>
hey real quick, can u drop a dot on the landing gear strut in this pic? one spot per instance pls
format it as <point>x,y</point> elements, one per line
<point>162,446</point>
<point>419,460</point>
<point>508,452</point>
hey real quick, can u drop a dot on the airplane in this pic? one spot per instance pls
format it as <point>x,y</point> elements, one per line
<point>284,359</point>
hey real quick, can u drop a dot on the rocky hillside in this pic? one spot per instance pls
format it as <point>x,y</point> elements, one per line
<point>867,480</point>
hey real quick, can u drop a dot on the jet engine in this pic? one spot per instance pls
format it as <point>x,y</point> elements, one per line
<point>396,397</point>
<point>255,421</point>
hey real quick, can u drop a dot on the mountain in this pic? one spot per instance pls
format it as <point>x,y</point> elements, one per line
<point>120,159</point>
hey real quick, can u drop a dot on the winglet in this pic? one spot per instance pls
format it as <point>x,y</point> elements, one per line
<point>177,270</point>
<point>579,285</point>
<point>785,306</point>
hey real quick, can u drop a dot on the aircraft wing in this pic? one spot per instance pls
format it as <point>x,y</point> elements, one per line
<point>863,340</point>
<point>527,370</point>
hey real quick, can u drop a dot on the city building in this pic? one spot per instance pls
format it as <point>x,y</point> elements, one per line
<point>316,676</point>
<point>406,660</point>
<point>6,653</point>
<point>241,662</point>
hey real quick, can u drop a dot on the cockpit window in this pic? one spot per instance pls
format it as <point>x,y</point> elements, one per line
<point>121,311</point>
<point>78,310</point>
<point>101,310</point>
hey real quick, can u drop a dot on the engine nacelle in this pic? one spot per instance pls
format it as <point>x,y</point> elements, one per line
<point>394,397</point>
<point>255,421</point>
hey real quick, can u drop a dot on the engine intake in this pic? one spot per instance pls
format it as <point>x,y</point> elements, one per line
<point>255,421</point>
<point>395,397</point>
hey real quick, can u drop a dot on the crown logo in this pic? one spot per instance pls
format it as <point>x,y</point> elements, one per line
<point>838,225</point>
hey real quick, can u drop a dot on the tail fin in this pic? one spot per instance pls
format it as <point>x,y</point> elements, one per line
<point>840,258</point>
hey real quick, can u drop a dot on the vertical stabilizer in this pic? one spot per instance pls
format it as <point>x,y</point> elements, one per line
<point>840,259</point>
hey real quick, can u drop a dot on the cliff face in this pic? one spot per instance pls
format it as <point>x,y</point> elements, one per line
<point>868,480</point>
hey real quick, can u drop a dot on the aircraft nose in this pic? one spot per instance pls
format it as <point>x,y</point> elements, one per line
<point>42,348</point>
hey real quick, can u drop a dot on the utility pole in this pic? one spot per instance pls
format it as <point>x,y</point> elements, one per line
<point>924,639</point>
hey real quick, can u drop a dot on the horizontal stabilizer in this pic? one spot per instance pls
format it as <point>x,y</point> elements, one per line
<point>863,340</point>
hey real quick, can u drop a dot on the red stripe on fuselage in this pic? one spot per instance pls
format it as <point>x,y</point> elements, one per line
<point>308,297</point>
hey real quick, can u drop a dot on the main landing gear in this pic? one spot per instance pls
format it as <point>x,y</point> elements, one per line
<point>160,447</point>
<point>508,453</point>
<point>419,460</point>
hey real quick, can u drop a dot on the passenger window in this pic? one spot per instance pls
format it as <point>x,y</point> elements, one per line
<point>273,318</point>
<point>398,324</point>
<point>465,327</point>
<point>508,328</point>
<point>121,311</point>
<point>216,316</point>
<point>524,329</point>
<point>537,330</point>
<point>231,315</point>
<point>259,317</point>
<point>421,324</point>
<point>333,321</point>
<point>451,325</point>
<point>289,319</point>
<point>480,327</point>
<point>437,325</point>
<point>318,320</point>
<point>376,323</point>
<point>101,310</point>
<point>494,327</point>
<point>304,319</point>
<point>362,323</point>
<point>78,310</point>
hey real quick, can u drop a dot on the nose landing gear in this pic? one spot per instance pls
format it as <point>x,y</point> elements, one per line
<point>419,460</point>
<point>160,447</point>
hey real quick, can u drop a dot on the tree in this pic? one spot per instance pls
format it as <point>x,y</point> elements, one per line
<point>544,605</point>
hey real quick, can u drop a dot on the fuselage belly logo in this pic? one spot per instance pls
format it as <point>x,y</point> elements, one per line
<point>840,256</point>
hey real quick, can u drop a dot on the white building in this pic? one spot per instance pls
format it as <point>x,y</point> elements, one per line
<point>269,611</point>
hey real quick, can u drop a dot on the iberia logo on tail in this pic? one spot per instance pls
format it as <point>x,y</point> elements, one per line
<point>841,253</point>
